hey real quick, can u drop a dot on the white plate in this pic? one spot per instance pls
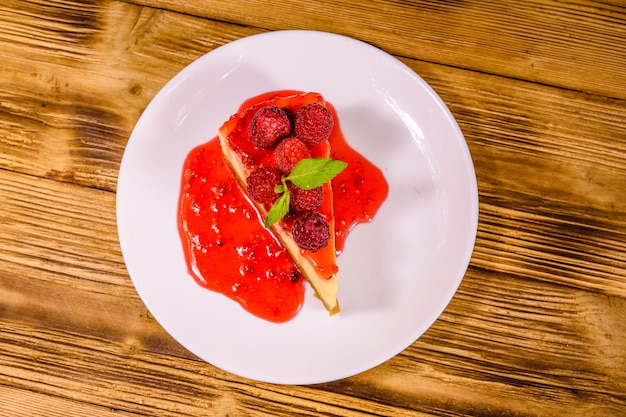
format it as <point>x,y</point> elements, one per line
<point>397,274</point>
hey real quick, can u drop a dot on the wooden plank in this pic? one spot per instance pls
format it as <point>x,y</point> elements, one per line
<point>85,371</point>
<point>549,161</point>
<point>550,167</point>
<point>546,41</point>
<point>83,141</point>
<point>59,319</point>
<point>475,360</point>
<point>482,351</point>
<point>73,86</point>
<point>545,293</point>
<point>59,232</point>
<point>73,327</point>
<point>24,402</point>
<point>549,181</point>
<point>481,354</point>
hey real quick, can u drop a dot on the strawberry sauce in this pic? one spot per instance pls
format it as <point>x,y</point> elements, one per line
<point>228,250</point>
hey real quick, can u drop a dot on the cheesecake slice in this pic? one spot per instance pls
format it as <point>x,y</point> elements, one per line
<point>246,151</point>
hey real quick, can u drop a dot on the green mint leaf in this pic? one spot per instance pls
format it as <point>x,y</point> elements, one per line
<point>308,174</point>
<point>313,172</point>
<point>279,209</point>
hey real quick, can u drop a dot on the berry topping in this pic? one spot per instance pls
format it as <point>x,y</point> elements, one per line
<point>305,200</point>
<point>313,124</point>
<point>289,152</point>
<point>268,126</point>
<point>310,231</point>
<point>261,183</point>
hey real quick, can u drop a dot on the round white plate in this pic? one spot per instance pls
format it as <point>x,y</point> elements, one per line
<point>397,273</point>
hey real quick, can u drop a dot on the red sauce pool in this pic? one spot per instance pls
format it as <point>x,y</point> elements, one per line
<point>226,246</point>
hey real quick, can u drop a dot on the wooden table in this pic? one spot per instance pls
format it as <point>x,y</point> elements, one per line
<point>538,325</point>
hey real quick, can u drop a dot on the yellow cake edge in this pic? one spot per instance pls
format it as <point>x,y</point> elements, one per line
<point>325,288</point>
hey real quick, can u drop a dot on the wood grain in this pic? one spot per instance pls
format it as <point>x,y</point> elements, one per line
<point>536,328</point>
<point>82,294</point>
<point>549,182</point>
<point>70,98</point>
<point>490,338</point>
<point>548,42</point>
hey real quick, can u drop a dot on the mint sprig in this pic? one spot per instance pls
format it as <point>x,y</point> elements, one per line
<point>313,172</point>
<point>308,174</point>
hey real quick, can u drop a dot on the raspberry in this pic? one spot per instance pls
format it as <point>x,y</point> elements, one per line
<point>268,126</point>
<point>261,183</point>
<point>289,152</point>
<point>305,200</point>
<point>311,231</point>
<point>313,124</point>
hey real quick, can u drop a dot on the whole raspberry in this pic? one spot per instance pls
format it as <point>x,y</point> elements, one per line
<point>289,152</point>
<point>305,200</point>
<point>261,183</point>
<point>268,126</point>
<point>311,231</point>
<point>313,124</point>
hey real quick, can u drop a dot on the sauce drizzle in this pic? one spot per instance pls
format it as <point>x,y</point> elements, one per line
<point>226,247</point>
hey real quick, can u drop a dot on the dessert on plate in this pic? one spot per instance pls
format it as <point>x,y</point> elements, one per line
<point>280,153</point>
<point>270,201</point>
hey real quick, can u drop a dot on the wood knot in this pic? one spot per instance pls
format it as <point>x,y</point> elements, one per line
<point>65,176</point>
<point>135,89</point>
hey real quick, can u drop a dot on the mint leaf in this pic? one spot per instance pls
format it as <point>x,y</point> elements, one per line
<point>279,209</point>
<point>313,172</point>
<point>308,174</point>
